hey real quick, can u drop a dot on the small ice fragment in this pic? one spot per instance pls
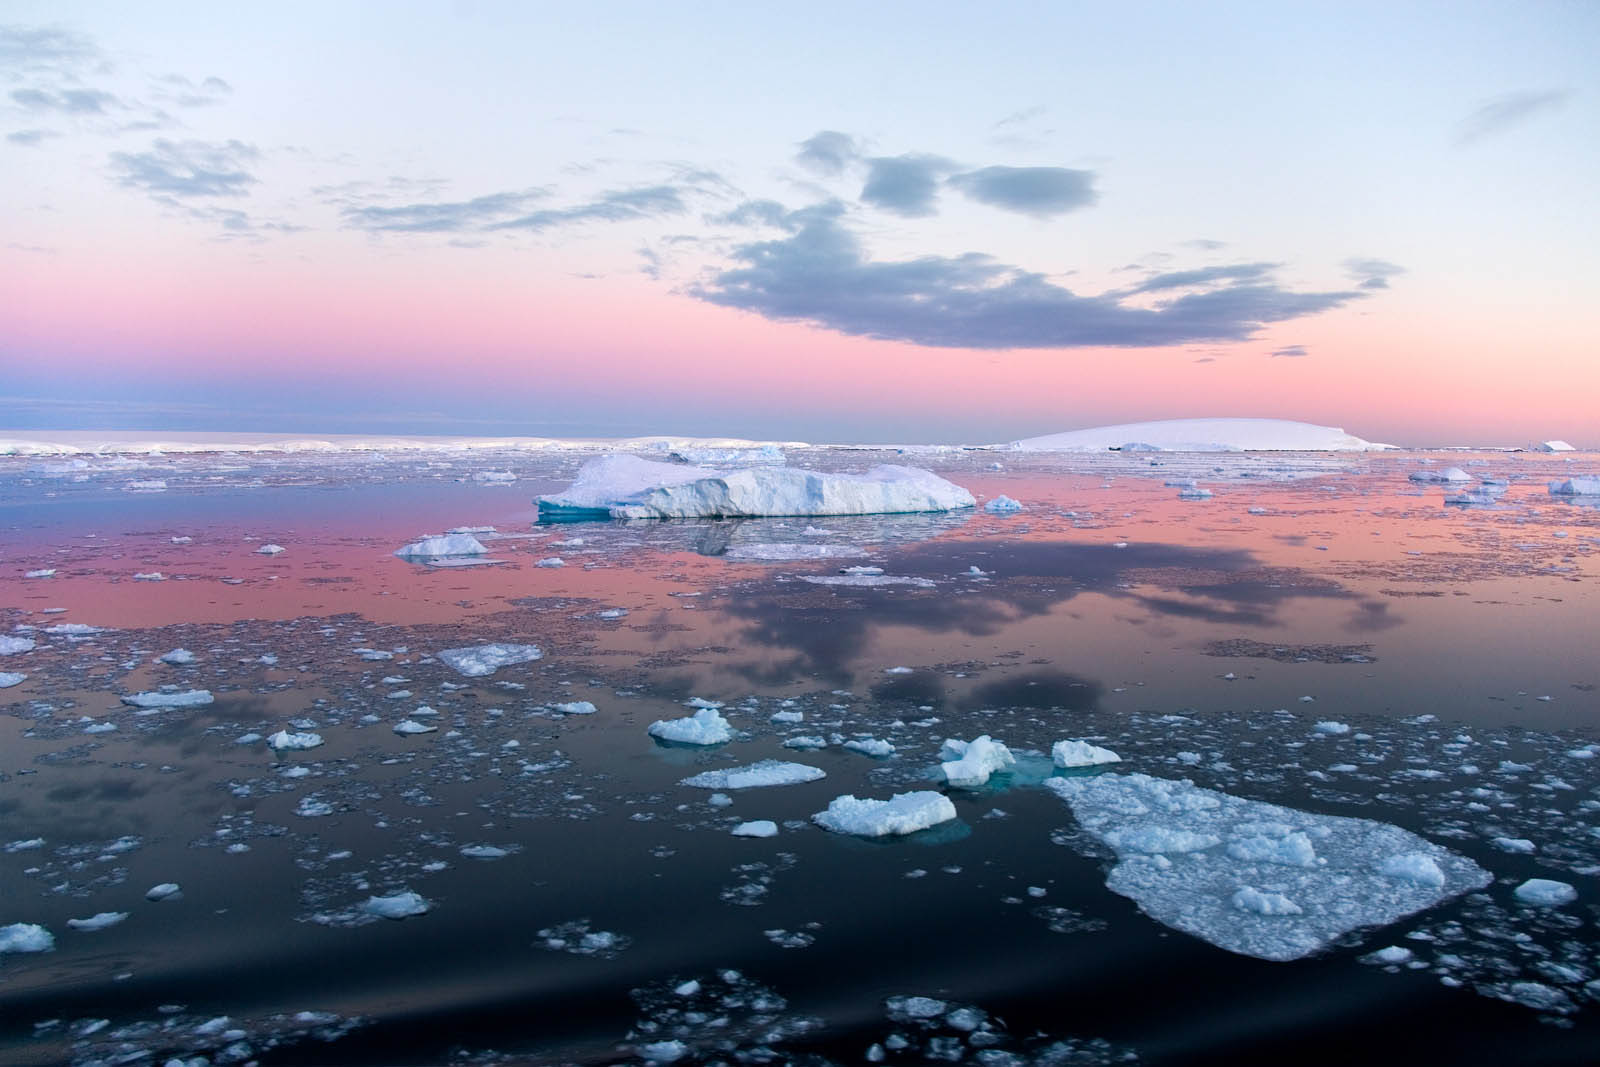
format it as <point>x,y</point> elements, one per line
<point>193,698</point>
<point>1002,505</point>
<point>410,726</point>
<point>551,561</point>
<point>269,550</point>
<point>757,828</point>
<point>577,707</point>
<point>1514,844</point>
<point>763,774</point>
<point>164,891</point>
<point>871,746</point>
<point>704,727</point>
<point>402,905</point>
<point>178,657</point>
<point>284,741</point>
<point>11,678</point>
<point>11,646</point>
<point>484,852</point>
<point>1545,892</point>
<point>1328,726</point>
<point>438,545</point>
<point>475,661</point>
<point>979,759</point>
<point>98,921</point>
<point>904,813</point>
<point>1081,754</point>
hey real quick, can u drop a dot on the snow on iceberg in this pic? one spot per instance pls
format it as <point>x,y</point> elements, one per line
<point>903,813</point>
<point>1186,855</point>
<point>1203,435</point>
<point>970,763</point>
<point>704,727</point>
<point>1576,487</point>
<point>435,545</point>
<point>768,772</point>
<point>475,661</point>
<point>626,487</point>
<point>1081,754</point>
<point>192,698</point>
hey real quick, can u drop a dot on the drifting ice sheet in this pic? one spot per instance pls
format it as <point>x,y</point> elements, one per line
<point>626,487</point>
<point>1186,855</point>
<point>193,698</point>
<point>1203,435</point>
<point>904,813</point>
<point>475,661</point>
<point>768,772</point>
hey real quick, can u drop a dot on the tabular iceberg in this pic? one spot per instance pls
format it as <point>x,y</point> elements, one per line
<point>626,487</point>
<point>1203,435</point>
<point>1255,878</point>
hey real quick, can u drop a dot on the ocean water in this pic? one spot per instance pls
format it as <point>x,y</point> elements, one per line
<point>584,906</point>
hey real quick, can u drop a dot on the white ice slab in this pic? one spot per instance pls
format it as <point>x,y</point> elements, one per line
<point>1203,435</point>
<point>1081,754</point>
<point>903,813</point>
<point>475,661</point>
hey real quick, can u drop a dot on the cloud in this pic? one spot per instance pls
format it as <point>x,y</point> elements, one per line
<point>1206,244</point>
<point>1289,352</point>
<point>1372,273</point>
<point>828,152</point>
<point>617,206</point>
<point>755,213</point>
<point>450,217</point>
<point>905,185</point>
<point>67,101</point>
<point>29,48</point>
<point>30,138</point>
<point>1017,117</point>
<point>1507,112</point>
<point>1185,279</point>
<point>186,169</point>
<point>820,275</point>
<point>1037,191</point>
<point>177,89</point>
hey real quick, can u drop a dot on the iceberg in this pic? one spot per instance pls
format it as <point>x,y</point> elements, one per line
<point>1545,892</point>
<point>768,772</point>
<point>626,487</point>
<point>1254,878</point>
<point>459,544</point>
<point>757,828</point>
<point>1081,754</point>
<point>1449,474</point>
<point>398,906</point>
<point>903,813</point>
<point>1553,446</point>
<point>26,937</point>
<point>970,763</point>
<point>192,698</point>
<point>1203,435</point>
<point>475,661</point>
<point>284,741</point>
<point>1576,487</point>
<point>704,727</point>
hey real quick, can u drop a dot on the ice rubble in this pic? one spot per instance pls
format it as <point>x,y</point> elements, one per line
<point>1576,487</point>
<point>1185,855</point>
<point>192,698</point>
<point>1203,435</point>
<point>970,763</point>
<point>475,661</point>
<point>903,813</point>
<point>626,487</point>
<point>1081,754</point>
<point>434,545</point>
<point>704,727</point>
<point>767,772</point>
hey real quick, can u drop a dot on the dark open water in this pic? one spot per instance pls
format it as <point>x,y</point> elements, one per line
<point>1458,644</point>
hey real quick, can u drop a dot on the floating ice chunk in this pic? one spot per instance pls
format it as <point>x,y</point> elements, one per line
<point>704,727</point>
<point>150,576</point>
<point>870,746</point>
<point>788,716</point>
<point>904,813</point>
<point>663,1051</point>
<point>1328,726</point>
<point>462,544</point>
<point>475,661</point>
<point>1449,474</point>
<point>1576,487</point>
<point>863,571</point>
<point>484,852</point>
<point>47,572</point>
<point>406,727</point>
<point>1151,822</point>
<point>11,678</point>
<point>284,741</point>
<point>785,552</point>
<point>1194,494</point>
<point>550,562</point>
<point>612,613</point>
<point>164,891</point>
<point>98,921</point>
<point>27,844</point>
<point>1003,505</point>
<point>909,1009</point>
<point>1552,446</point>
<point>402,905</point>
<point>979,758</point>
<point>628,487</point>
<point>577,707</point>
<point>1520,845</point>
<point>702,702</point>
<point>150,485</point>
<point>758,828</point>
<point>1254,900</point>
<point>1545,892</point>
<point>1202,435</point>
<point>1081,754</point>
<point>191,698</point>
<point>26,937</point>
<point>11,646</point>
<point>806,742</point>
<point>767,772</point>
<point>494,477</point>
<point>313,807</point>
<point>74,629</point>
<point>270,550</point>
<point>178,657</point>
<point>867,581</point>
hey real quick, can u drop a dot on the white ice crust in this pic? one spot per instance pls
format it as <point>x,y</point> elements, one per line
<point>1187,855</point>
<point>903,813</point>
<point>626,487</point>
<point>475,661</point>
<point>767,772</point>
<point>1203,435</point>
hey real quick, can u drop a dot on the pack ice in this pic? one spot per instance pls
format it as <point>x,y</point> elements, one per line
<point>1255,878</point>
<point>626,487</point>
<point>1203,435</point>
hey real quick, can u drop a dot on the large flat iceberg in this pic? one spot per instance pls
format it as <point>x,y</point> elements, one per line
<point>626,487</point>
<point>767,772</point>
<point>1255,878</point>
<point>1203,435</point>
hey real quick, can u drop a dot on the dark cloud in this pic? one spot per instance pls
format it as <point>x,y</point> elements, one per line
<point>1038,191</point>
<point>1372,273</point>
<point>828,152</point>
<point>821,275</point>
<point>905,185</point>
<point>618,206</point>
<point>1205,276</point>
<point>186,169</point>
<point>1289,352</point>
<point>451,217</point>
<point>1507,112</point>
<point>66,101</point>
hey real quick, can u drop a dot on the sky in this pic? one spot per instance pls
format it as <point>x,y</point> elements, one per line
<point>917,222</point>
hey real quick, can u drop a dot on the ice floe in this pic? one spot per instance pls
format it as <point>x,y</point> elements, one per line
<point>1545,892</point>
<point>1449,474</point>
<point>1185,854</point>
<point>178,657</point>
<point>867,581</point>
<point>1081,754</point>
<point>704,727</point>
<point>970,763</point>
<point>756,775</point>
<point>98,921</point>
<point>903,813</point>
<point>475,661</point>
<point>11,646</point>
<point>436,545</point>
<point>756,828</point>
<point>1576,487</point>
<point>164,891</point>
<point>403,905</point>
<point>191,698</point>
<point>1203,435</point>
<point>11,678</point>
<point>270,550</point>
<point>284,741</point>
<point>26,937</point>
